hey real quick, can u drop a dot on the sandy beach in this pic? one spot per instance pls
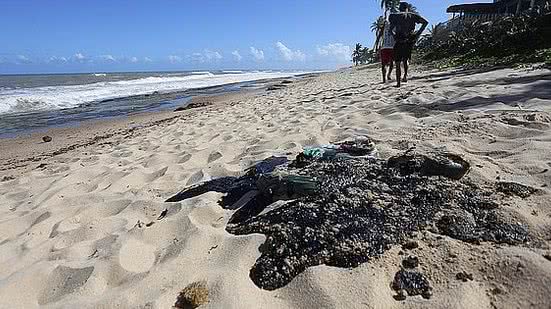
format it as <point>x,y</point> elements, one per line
<point>83,222</point>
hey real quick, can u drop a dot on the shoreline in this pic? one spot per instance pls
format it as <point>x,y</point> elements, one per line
<point>24,148</point>
<point>126,103</point>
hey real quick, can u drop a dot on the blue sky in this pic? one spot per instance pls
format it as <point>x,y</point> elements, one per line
<point>138,35</point>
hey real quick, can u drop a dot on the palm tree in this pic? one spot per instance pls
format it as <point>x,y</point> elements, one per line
<point>438,33</point>
<point>412,8</point>
<point>367,55</point>
<point>376,24</point>
<point>378,27</point>
<point>390,5</point>
<point>357,54</point>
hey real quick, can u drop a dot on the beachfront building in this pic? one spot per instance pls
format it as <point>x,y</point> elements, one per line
<point>462,13</point>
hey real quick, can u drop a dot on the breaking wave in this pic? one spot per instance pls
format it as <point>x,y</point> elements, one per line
<point>60,97</point>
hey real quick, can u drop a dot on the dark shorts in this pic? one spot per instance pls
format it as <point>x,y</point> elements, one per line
<point>402,50</point>
<point>387,56</point>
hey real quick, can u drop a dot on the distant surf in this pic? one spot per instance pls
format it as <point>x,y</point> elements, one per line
<point>17,99</point>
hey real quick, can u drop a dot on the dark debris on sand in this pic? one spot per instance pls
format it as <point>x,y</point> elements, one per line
<point>410,262</point>
<point>447,165</point>
<point>362,209</point>
<point>513,188</point>
<point>343,211</point>
<point>413,282</point>
<point>47,139</point>
<point>192,106</point>
<point>464,276</point>
<point>410,245</point>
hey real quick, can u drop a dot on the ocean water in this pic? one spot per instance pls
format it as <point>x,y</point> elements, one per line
<point>34,102</point>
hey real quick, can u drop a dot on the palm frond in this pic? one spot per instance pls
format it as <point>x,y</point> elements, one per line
<point>390,5</point>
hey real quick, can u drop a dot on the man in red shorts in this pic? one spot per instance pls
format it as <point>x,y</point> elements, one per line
<point>387,52</point>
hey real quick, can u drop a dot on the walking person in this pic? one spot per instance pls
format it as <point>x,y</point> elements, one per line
<point>402,27</point>
<point>386,53</point>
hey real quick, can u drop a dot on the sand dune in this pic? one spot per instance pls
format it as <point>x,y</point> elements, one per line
<point>89,229</point>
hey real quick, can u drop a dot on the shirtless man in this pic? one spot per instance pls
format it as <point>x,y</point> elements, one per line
<point>402,26</point>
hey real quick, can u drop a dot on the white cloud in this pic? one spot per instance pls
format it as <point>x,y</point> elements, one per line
<point>79,57</point>
<point>109,58</point>
<point>257,54</point>
<point>133,59</point>
<point>338,51</point>
<point>147,59</point>
<point>55,59</point>
<point>288,54</point>
<point>197,57</point>
<point>212,55</point>
<point>237,55</point>
<point>206,56</point>
<point>174,59</point>
<point>23,59</point>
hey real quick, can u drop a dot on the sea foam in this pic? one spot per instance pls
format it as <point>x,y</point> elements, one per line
<point>60,97</point>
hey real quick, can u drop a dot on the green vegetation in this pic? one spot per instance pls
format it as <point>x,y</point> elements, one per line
<point>378,27</point>
<point>538,56</point>
<point>390,5</point>
<point>508,40</point>
<point>363,55</point>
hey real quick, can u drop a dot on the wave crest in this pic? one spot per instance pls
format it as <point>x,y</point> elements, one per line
<point>59,97</point>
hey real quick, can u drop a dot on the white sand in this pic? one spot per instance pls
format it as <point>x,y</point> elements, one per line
<point>75,232</point>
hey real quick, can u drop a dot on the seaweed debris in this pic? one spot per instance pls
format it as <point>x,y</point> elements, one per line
<point>193,296</point>
<point>513,188</point>
<point>413,282</point>
<point>362,208</point>
<point>339,211</point>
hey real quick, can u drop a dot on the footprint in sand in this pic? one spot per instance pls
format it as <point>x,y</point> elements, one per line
<point>41,218</point>
<point>121,154</point>
<point>17,196</point>
<point>185,158</point>
<point>196,177</point>
<point>90,159</point>
<point>62,281</point>
<point>136,256</point>
<point>330,124</point>
<point>214,137</point>
<point>177,134</point>
<point>289,145</point>
<point>214,156</point>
